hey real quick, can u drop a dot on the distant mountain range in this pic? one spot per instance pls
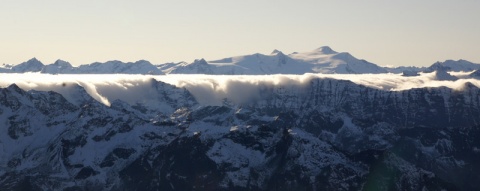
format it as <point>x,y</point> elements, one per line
<point>320,60</point>
<point>64,67</point>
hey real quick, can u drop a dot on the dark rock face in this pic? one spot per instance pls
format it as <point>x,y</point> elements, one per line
<point>329,135</point>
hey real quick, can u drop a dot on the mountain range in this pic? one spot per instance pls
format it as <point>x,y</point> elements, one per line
<point>64,67</point>
<point>321,60</point>
<point>324,134</point>
<point>240,130</point>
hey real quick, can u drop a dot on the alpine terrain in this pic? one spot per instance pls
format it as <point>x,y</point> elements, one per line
<point>323,60</point>
<point>322,134</point>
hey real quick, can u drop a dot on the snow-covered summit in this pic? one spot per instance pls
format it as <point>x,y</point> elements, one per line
<point>115,66</point>
<point>198,66</point>
<point>325,50</point>
<point>326,60</point>
<point>454,65</point>
<point>32,65</point>
<point>320,60</point>
<point>58,67</point>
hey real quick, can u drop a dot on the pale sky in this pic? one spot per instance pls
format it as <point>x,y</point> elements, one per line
<point>385,32</point>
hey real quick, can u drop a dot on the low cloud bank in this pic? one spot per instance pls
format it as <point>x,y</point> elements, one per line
<point>210,89</point>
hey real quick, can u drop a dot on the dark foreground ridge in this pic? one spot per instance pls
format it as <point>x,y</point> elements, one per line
<point>333,135</point>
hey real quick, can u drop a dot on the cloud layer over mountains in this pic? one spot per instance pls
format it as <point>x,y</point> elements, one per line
<point>213,89</point>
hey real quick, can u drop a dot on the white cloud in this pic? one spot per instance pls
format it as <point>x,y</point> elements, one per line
<point>208,89</point>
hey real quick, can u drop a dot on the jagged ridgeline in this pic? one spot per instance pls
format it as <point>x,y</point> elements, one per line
<point>316,134</point>
<point>321,60</point>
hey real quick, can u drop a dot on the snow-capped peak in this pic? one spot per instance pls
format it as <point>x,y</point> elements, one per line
<point>320,60</point>
<point>452,65</point>
<point>116,66</point>
<point>325,50</point>
<point>32,65</point>
<point>58,67</point>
